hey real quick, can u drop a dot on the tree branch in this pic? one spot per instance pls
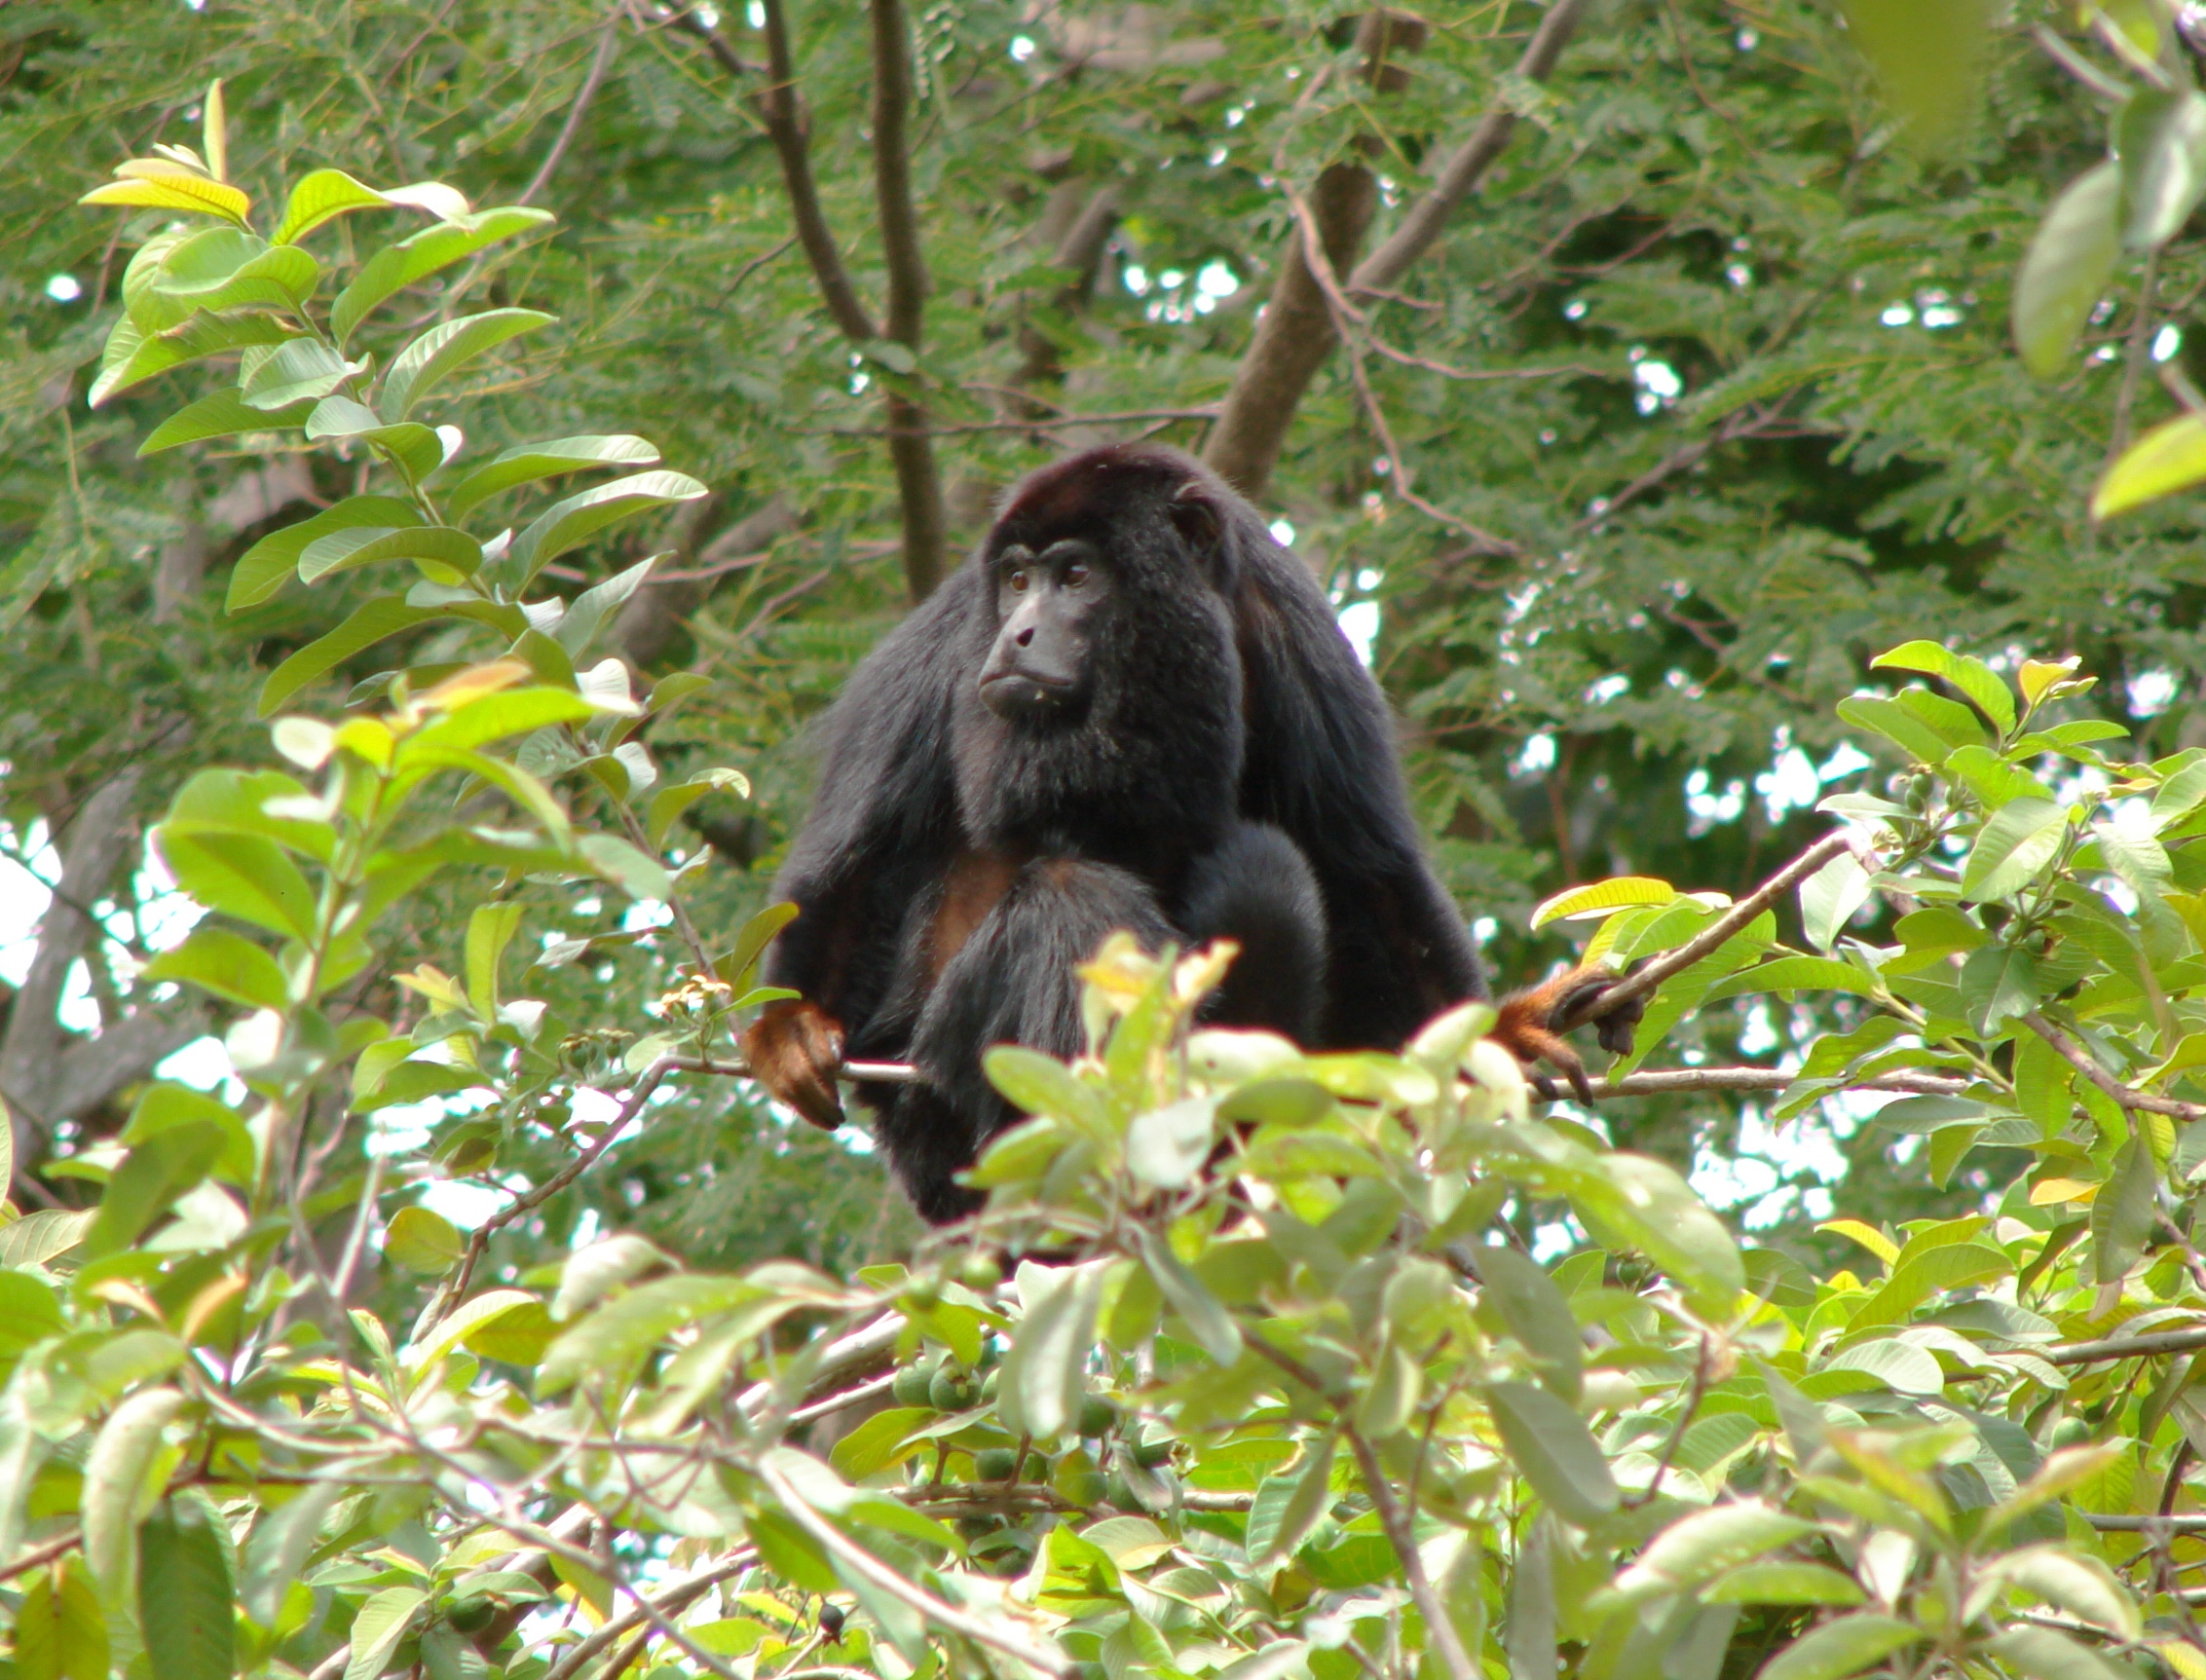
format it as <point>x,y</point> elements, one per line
<point>653,616</point>
<point>2077,1057</point>
<point>609,38</point>
<point>789,127</point>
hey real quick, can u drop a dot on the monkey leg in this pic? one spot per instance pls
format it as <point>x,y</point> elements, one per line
<point>1011,983</point>
<point>1258,890</point>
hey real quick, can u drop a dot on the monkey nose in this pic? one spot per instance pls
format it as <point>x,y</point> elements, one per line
<point>1026,637</point>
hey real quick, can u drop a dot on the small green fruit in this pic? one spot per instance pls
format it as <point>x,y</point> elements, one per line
<point>1148,1454</point>
<point>913,1383</point>
<point>979,1272</point>
<point>954,1388</point>
<point>1097,1416</point>
<point>995,1463</point>
<point>471,1614</point>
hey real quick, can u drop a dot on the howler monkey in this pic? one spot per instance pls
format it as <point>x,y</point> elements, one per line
<point>1132,708</point>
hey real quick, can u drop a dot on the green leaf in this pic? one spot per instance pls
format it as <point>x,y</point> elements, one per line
<point>587,613</point>
<point>2169,458</point>
<point>490,929</point>
<point>1704,1544</point>
<point>1538,1316</point>
<point>467,1319</point>
<point>1840,1648</point>
<point>378,1628</point>
<point>39,1237</point>
<point>1208,1320</point>
<point>282,279</point>
<point>495,717</point>
<point>184,1592</point>
<point>880,1442</point>
<point>155,1173</point>
<point>299,370</point>
<point>1045,1371</point>
<point>1287,1505</point>
<point>227,964</point>
<point>375,621</point>
<point>1895,723</point>
<point>613,1337</point>
<point>60,1631</point>
<point>442,351</point>
<point>1794,974</point>
<point>1618,892</point>
<point>614,860</point>
<point>237,801</point>
<point>225,414</point>
<point>2044,1655</point>
<point>1549,1444</point>
<point>2122,1214</point>
<point>2018,842</point>
<point>132,355</point>
<point>1918,1277</point>
<point>282,1535</point>
<point>1998,984</point>
<point>369,544</point>
<point>416,449</point>
<point>564,524</point>
<point>2160,139</point>
<point>1830,896</point>
<point>531,462</point>
<point>669,802</point>
<point>1972,676</point>
<point>2065,270</point>
<point>242,875</point>
<point>172,188</point>
<point>1929,56</point>
<point>321,197</point>
<point>123,1477</point>
<point>2083,1587</point>
<point>269,564</point>
<point>398,266</point>
<point>424,1241</point>
<point>1784,1584</point>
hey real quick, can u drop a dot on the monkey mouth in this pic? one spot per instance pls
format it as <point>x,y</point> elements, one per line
<point>1015,695</point>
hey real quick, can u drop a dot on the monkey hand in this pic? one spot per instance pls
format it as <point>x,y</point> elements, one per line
<point>795,1049</point>
<point>1531,1024</point>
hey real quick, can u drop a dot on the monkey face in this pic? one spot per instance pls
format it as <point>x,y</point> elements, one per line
<point>1049,607</point>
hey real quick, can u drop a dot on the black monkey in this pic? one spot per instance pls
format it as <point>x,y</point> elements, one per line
<point>1133,708</point>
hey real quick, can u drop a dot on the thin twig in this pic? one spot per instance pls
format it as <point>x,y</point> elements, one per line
<point>885,1579</point>
<point>670,1598</point>
<point>1644,980</point>
<point>45,1553</point>
<point>2111,1348</point>
<point>2128,1097</point>
<point>608,39</point>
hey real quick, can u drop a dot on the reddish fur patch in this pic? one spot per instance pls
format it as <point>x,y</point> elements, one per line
<point>975,884</point>
<point>1066,492</point>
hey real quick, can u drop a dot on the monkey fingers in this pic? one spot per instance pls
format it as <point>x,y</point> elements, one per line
<point>1587,986</point>
<point>794,1050</point>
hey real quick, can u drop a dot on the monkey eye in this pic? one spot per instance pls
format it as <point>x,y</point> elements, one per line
<point>1017,580</point>
<point>1076,575</point>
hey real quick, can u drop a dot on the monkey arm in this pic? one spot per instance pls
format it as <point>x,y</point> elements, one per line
<point>1531,1024</point>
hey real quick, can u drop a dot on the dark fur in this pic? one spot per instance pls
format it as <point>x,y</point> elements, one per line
<point>1234,774</point>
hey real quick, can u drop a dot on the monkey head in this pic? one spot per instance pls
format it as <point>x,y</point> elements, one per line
<point>1050,605</point>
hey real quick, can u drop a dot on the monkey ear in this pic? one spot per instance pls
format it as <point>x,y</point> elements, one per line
<point>1195,516</point>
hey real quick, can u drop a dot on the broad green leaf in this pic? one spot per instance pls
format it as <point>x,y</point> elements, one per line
<point>1049,1355</point>
<point>282,1535</point>
<point>460,1322</point>
<point>1784,1584</point>
<point>2044,1655</point>
<point>613,1337</point>
<point>614,860</point>
<point>282,279</point>
<point>490,929</point>
<point>1287,1505</point>
<point>1538,1316</point>
<point>423,1240</point>
<point>2010,849</point>
<point>225,963</point>
<point>1531,1629</point>
<point>237,801</point>
<point>1998,984</point>
<point>2081,1585</point>
<point>374,621</point>
<point>587,612</point>
<point>1929,56</point>
<point>152,1175</point>
<point>39,1237</point>
<point>321,197</point>
<point>442,351</point>
<point>269,564</point>
<point>2160,139</point>
<point>1899,1365</point>
<point>2069,1467</point>
<point>28,1313</point>
<point>185,1591</point>
<point>2169,458</point>
<point>369,544</point>
<point>1705,1544</point>
<point>1794,974</point>
<point>883,1439</point>
<point>1647,1203</point>
<point>300,370</point>
<point>1895,723</point>
<point>2179,795</point>
<point>1034,1083</point>
<point>1618,892</point>
<point>1918,1277</point>
<point>134,356</point>
<point>1208,1320</point>
<point>496,717</point>
<point>242,875</point>
<point>1991,779</point>
<point>398,266</point>
<point>1549,1447</point>
<point>532,463</point>
<point>378,1628</point>
<point>1972,676</point>
<point>564,524</point>
<point>1167,1146</point>
<point>669,802</point>
<point>60,1631</point>
<point>2065,270</point>
<point>1840,1648</point>
<point>123,1477</point>
<point>152,186</point>
<point>591,1273</point>
<point>2122,1214</point>
<point>1830,896</point>
<point>225,414</point>
<point>415,448</point>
